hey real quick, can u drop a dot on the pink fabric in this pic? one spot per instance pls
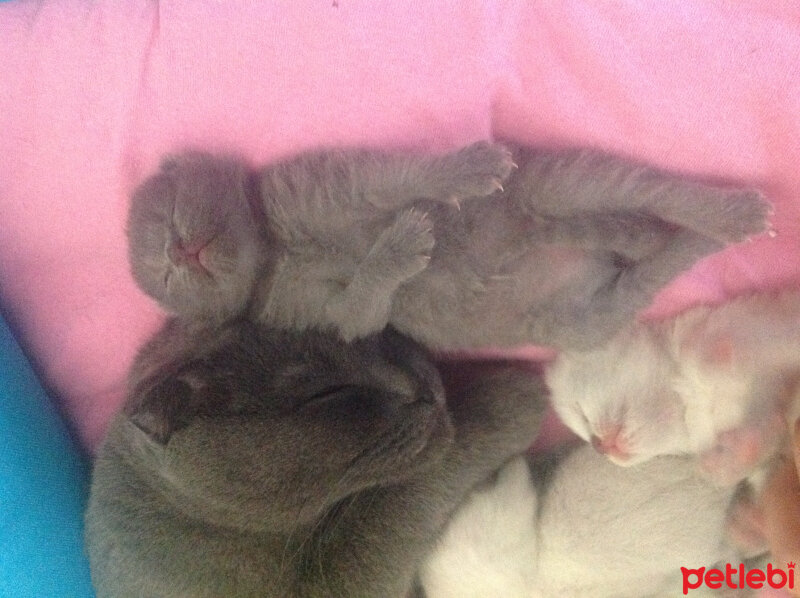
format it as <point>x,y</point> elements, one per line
<point>92,94</point>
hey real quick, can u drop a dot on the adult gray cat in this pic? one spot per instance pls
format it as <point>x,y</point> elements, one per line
<point>256,462</point>
<point>575,245</point>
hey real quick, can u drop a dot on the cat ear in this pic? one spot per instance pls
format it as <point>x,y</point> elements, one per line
<point>169,163</point>
<point>156,412</point>
<point>715,350</point>
<point>719,350</point>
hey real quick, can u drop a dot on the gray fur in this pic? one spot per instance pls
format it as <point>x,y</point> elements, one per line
<point>574,246</point>
<point>255,462</point>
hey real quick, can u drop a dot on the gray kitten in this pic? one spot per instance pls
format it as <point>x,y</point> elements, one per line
<point>256,462</point>
<point>569,251</point>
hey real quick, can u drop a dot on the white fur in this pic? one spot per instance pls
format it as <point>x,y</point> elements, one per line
<point>722,392</point>
<point>602,531</point>
<point>627,382</point>
<point>689,385</point>
<point>490,543</point>
<point>609,531</point>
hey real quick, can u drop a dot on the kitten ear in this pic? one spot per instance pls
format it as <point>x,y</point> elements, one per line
<point>719,350</point>
<point>169,163</point>
<point>156,411</point>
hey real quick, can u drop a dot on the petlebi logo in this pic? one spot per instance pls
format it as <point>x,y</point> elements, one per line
<point>737,577</point>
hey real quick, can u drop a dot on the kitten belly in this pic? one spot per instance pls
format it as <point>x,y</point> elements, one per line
<point>296,294</point>
<point>459,303</point>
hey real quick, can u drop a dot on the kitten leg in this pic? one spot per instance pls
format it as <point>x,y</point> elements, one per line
<point>569,182</point>
<point>477,170</point>
<point>318,191</point>
<point>633,236</point>
<point>587,324</point>
<point>379,539</point>
<point>401,251</point>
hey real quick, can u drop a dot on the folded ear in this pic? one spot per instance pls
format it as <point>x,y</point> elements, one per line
<point>170,163</point>
<point>719,350</point>
<point>716,349</point>
<point>156,410</point>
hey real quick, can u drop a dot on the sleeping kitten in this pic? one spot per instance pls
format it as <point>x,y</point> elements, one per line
<point>592,530</point>
<point>256,462</point>
<point>620,397</point>
<point>351,240</point>
<point>708,382</point>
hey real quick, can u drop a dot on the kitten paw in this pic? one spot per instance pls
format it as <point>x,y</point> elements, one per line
<point>736,454</point>
<point>477,170</point>
<point>742,215</point>
<point>404,248</point>
<point>401,251</point>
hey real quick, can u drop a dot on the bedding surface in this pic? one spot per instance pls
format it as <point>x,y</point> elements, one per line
<point>92,94</point>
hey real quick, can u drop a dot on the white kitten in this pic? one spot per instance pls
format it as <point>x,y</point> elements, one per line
<point>708,382</point>
<point>620,398</point>
<point>489,546</point>
<point>601,531</point>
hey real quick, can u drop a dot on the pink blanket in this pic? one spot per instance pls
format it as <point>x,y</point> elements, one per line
<point>91,94</point>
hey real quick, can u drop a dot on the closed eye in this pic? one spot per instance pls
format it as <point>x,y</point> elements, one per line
<point>327,394</point>
<point>584,420</point>
<point>167,278</point>
<point>581,414</point>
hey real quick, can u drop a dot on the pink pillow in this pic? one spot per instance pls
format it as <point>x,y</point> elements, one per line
<point>92,95</point>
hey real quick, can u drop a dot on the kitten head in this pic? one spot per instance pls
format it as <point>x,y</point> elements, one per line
<point>269,429</point>
<point>194,245</point>
<point>620,398</point>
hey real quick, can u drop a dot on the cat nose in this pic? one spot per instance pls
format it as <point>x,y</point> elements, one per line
<point>189,254</point>
<point>612,445</point>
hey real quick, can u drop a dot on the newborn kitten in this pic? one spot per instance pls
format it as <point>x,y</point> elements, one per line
<point>205,231</point>
<point>707,382</point>
<point>256,462</point>
<point>593,530</point>
<point>575,245</point>
<point>620,397</point>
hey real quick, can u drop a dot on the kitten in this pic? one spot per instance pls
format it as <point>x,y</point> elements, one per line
<point>255,462</point>
<point>592,529</point>
<point>575,244</point>
<point>708,382</point>
<point>620,397</point>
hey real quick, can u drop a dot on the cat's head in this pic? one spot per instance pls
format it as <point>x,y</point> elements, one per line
<point>194,244</point>
<point>620,399</point>
<point>269,429</point>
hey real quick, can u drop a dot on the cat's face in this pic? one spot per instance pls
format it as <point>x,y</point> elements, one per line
<point>273,428</point>
<point>620,399</point>
<point>194,245</point>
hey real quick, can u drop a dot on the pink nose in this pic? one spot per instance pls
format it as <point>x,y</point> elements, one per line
<point>186,254</point>
<point>611,444</point>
